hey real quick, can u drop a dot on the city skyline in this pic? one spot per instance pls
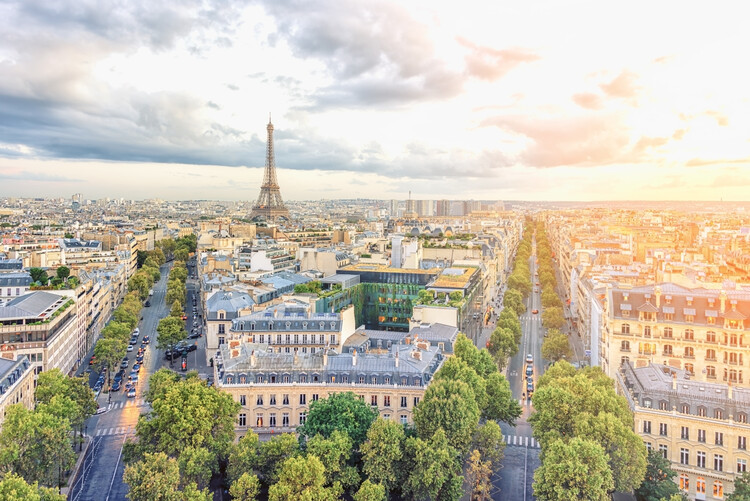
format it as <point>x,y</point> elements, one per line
<point>470,101</point>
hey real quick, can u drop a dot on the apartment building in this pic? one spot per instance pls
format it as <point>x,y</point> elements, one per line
<point>701,331</point>
<point>701,427</point>
<point>43,327</point>
<point>275,389</point>
<point>16,384</point>
<point>13,285</point>
<point>221,308</point>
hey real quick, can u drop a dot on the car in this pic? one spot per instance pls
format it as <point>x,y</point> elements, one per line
<point>130,347</point>
<point>184,317</point>
<point>92,360</point>
<point>134,341</point>
<point>194,335</point>
<point>118,377</point>
<point>131,393</point>
<point>146,339</point>
<point>529,388</point>
<point>529,370</point>
<point>529,358</point>
<point>537,284</point>
<point>88,370</point>
<point>115,386</point>
<point>97,386</point>
<point>137,367</point>
<point>529,379</point>
<point>136,331</point>
<point>148,303</point>
<point>534,311</point>
<point>139,358</point>
<point>129,385</point>
<point>133,378</point>
<point>142,348</point>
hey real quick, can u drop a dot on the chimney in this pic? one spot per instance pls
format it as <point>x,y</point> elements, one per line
<point>396,359</point>
<point>296,358</point>
<point>674,381</point>
<point>657,294</point>
<point>730,391</point>
<point>354,358</point>
<point>416,354</point>
<point>325,357</point>
<point>252,358</point>
<point>723,299</point>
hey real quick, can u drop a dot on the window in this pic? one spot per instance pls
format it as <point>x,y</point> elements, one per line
<point>647,427</point>
<point>416,401</point>
<point>710,320</point>
<point>663,405</point>
<point>741,465</point>
<point>374,400</point>
<point>689,352</point>
<point>648,446</point>
<point>685,433</point>
<point>663,450</point>
<point>689,335</point>
<point>386,380</point>
<point>718,489</point>
<point>404,419</point>
<point>719,438</point>
<point>222,340</point>
<point>302,417</point>
<point>710,337</point>
<point>285,399</point>
<point>684,456</point>
<point>625,346</point>
<point>302,399</point>
<point>647,331</point>
<point>663,429</point>
<point>314,397</point>
<point>668,349</point>
<point>272,419</point>
<point>700,485</point>
<point>285,419</point>
<point>700,460</point>
<point>333,339</point>
<point>668,332</point>
<point>711,354</point>
<point>718,414</point>
<point>259,400</point>
<point>403,401</point>
<point>387,401</point>
<point>690,368</point>
<point>702,412</point>
<point>742,443</point>
<point>221,315</point>
<point>702,436</point>
<point>288,338</point>
<point>626,328</point>
<point>243,400</point>
<point>259,420</point>
<point>684,482</point>
<point>718,462</point>
<point>272,400</point>
<point>222,329</point>
<point>361,380</point>
<point>710,372</point>
<point>243,420</point>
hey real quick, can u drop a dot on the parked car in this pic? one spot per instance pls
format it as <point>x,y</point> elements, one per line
<point>137,367</point>
<point>131,393</point>
<point>534,311</point>
<point>529,359</point>
<point>115,386</point>
<point>529,370</point>
<point>148,303</point>
<point>146,339</point>
<point>130,347</point>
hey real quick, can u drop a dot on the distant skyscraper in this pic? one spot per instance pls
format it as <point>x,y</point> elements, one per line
<point>443,207</point>
<point>76,201</point>
<point>270,206</point>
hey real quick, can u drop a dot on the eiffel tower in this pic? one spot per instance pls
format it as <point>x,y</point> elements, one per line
<point>270,206</point>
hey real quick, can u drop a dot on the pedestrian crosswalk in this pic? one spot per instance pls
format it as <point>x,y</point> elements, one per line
<point>115,430</point>
<point>140,402</point>
<point>522,441</point>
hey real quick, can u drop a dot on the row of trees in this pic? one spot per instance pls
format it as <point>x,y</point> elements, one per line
<point>589,448</point>
<point>176,285</point>
<point>38,446</point>
<point>506,337</point>
<point>556,345</point>
<point>171,329</point>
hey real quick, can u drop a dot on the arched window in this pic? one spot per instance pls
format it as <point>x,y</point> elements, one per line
<point>741,417</point>
<point>626,328</point>
<point>710,337</point>
<point>689,335</point>
<point>685,408</point>
<point>690,368</point>
<point>668,349</point>
<point>625,346</point>
<point>684,482</point>
<point>689,352</point>
<point>710,354</point>
<point>700,485</point>
<point>711,372</point>
<point>668,332</point>
<point>718,489</point>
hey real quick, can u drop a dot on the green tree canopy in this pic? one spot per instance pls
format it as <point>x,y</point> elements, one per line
<point>572,471</point>
<point>15,488</point>
<point>63,272</point>
<point>369,491</point>
<point>340,411</point>
<point>741,488</point>
<point>383,452</point>
<point>434,469</point>
<point>479,360</point>
<point>449,405</point>
<point>552,318</point>
<point>501,405</point>
<point>513,300</point>
<point>245,488</point>
<point>170,331</point>
<point>502,345</point>
<point>556,346</point>
<point>39,275</point>
<point>658,482</point>
<point>157,478</point>
<point>335,453</point>
<point>243,457</point>
<point>303,478</point>
<point>273,453</point>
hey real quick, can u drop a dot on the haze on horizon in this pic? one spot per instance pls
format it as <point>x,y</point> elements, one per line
<point>372,99</point>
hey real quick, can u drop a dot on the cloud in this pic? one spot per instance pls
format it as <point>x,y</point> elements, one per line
<point>490,64</point>
<point>699,162</point>
<point>729,180</point>
<point>679,134</point>
<point>588,100</point>
<point>37,176</point>
<point>587,140</point>
<point>721,118</point>
<point>623,86</point>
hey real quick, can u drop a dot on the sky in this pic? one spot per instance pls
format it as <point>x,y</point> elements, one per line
<point>485,100</point>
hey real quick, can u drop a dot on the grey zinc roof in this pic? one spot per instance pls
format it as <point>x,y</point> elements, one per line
<point>22,279</point>
<point>228,301</point>
<point>32,304</point>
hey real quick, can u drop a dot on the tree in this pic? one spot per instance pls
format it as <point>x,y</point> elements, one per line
<point>383,452</point>
<point>53,386</point>
<point>369,491</point>
<point>658,483</point>
<point>176,310</point>
<point>273,453</point>
<point>159,384</point>
<point>479,477</point>
<point>124,317</point>
<point>513,300</point>
<point>14,487</point>
<point>547,278</point>
<point>35,444</point>
<point>157,478</point>
<point>519,281</point>
<point>196,465</point>
<point>243,457</point>
<point>741,488</point>
<point>501,405</point>
<point>39,275</point>
<point>181,254</point>
<point>170,332</point>
<point>479,360</point>
<point>303,478</point>
<point>556,346</point>
<point>456,369</point>
<point>449,405</point>
<point>116,330</point>
<point>573,470</point>
<point>552,318</point>
<point>109,352</point>
<point>334,452</point>
<point>245,488</point>
<point>434,469</point>
<point>550,298</point>
<point>509,320</point>
<point>141,283</point>
<point>187,414</point>
<point>489,441</point>
<point>63,272</point>
<point>502,345</point>
<point>340,411</point>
